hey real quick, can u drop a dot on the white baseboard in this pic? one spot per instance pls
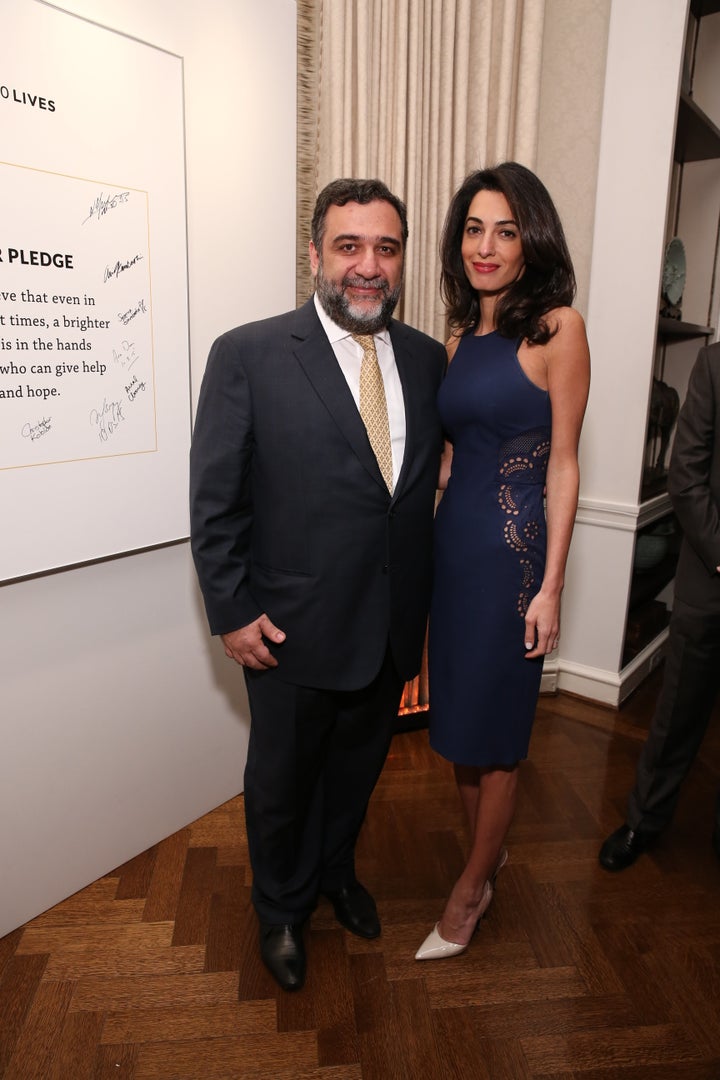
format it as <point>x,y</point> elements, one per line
<point>610,687</point>
<point>549,680</point>
<point>592,683</point>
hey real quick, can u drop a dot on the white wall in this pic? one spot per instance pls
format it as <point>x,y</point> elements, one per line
<point>121,721</point>
<point>644,62</point>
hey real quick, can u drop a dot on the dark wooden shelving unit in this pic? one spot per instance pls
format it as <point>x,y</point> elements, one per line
<point>697,137</point>
<point>676,328</point>
<point>648,616</point>
<point>704,7</point>
<point>647,584</point>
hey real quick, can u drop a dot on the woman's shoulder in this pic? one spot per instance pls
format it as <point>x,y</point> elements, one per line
<point>565,321</point>
<point>567,330</point>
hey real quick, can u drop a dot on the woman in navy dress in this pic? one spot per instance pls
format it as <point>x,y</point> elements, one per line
<point>512,405</point>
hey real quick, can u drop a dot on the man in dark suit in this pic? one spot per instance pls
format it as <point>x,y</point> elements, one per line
<point>692,666</point>
<point>311,533</point>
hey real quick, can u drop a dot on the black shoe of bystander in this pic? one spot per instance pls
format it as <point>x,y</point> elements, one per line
<point>622,848</point>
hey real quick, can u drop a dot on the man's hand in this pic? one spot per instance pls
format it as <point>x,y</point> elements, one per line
<point>246,645</point>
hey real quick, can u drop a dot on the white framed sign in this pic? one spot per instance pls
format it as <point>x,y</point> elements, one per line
<point>94,364</point>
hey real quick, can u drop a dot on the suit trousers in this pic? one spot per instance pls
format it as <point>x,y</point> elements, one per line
<point>688,694</point>
<point>314,757</point>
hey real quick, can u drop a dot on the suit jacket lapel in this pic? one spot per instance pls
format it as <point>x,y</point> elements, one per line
<point>315,354</point>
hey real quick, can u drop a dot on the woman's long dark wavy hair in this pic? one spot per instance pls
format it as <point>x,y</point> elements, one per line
<point>548,280</point>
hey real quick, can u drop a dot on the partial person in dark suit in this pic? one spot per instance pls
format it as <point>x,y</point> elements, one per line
<point>311,533</point>
<point>692,666</point>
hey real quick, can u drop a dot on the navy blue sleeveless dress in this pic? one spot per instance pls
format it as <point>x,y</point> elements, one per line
<point>489,556</point>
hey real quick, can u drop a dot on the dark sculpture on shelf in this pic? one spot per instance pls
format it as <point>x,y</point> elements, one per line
<point>664,409</point>
<point>673,279</point>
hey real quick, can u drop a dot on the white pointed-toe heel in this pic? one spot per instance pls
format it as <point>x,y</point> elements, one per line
<point>435,947</point>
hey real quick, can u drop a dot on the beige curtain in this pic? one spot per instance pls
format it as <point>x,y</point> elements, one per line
<point>418,93</point>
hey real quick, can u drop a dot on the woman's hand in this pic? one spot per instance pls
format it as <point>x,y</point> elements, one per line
<point>542,625</point>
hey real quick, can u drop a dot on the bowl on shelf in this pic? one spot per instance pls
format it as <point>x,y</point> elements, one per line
<point>650,550</point>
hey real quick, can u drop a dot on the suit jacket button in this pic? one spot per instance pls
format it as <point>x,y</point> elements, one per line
<point>385,568</point>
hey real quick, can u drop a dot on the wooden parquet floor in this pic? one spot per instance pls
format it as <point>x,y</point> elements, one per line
<point>153,972</point>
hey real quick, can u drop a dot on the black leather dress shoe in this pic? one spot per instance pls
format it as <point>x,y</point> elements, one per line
<point>283,951</point>
<point>622,848</point>
<point>355,910</point>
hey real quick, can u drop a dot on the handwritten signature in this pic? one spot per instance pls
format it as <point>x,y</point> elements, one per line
<point>116,270</point>
<point>102,204</point>
<point>127,316</point>
<point>134,387</point>
<point>126,355</point>
<point>36,431</point>
<point>107,418</point>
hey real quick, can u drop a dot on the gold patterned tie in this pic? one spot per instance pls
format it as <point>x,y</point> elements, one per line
<point>373,407</point>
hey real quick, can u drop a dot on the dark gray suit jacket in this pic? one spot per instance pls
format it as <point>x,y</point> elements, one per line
<point>289,512</point>
<point>694,484</point>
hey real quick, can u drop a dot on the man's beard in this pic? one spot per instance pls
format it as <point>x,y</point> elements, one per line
<point>343,312</point>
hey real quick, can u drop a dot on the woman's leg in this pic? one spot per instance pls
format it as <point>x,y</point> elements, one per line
<point>467,778</point>
<point>494,806</point>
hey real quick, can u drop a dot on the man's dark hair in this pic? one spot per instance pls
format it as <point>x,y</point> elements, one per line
<point>339,192</point>
<point>548,280</point>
